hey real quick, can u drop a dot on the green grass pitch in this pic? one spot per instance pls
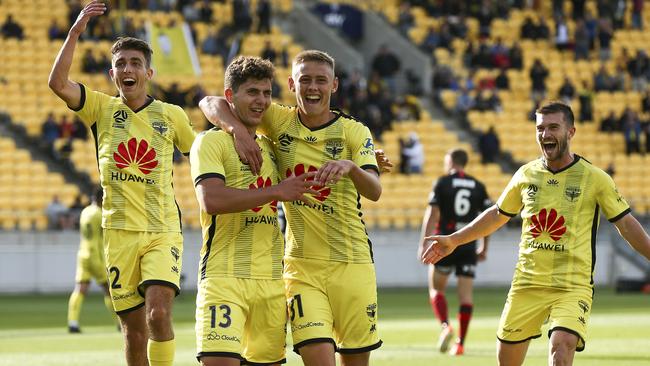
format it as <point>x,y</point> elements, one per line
<point>33,331</point>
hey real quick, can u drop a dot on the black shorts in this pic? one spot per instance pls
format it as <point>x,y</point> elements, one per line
<point>463,259</point>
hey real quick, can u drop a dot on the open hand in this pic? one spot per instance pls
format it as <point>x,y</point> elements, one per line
<point>249,151</point>
<point>93,9</point>
<point>385,165</point>
<point>332,171</point>
<point>440,247</point>
<point>295,187</point>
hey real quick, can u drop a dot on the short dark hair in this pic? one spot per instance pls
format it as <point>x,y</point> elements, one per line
<point>458,157</point>
<point>314,56</point>
<point>136,44</point>
<point>243,68</point>
<point>558,107</point>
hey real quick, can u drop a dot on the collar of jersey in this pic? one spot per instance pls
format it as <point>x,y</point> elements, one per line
<point>337,115</point>
<point>150,100</point>
<point>576,158</point>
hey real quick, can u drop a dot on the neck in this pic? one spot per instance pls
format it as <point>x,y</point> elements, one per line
<point>135,103</point>
<point>561,163</point>
<point>315,121</point>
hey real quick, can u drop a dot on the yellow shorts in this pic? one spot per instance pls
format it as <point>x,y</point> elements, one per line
<point>527,308</point>
<point>241,318</point>
<point>88,269</point>
<point>332,302</point>
<point>136,259</point>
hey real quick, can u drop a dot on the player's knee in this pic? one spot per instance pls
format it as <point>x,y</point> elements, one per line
<point>561,352</point>
<point>158,316</point>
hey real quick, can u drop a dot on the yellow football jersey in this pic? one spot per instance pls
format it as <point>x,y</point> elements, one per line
<point>90,228</point>
<point>332,228</point>
<point>245,244</point>
<point>135,154</point>
<point>560,212</point>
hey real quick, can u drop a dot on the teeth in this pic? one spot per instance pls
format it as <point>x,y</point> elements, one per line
<point>312,97</point>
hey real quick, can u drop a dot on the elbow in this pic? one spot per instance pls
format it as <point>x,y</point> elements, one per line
<point>374,195</point>
<point>54,84</point>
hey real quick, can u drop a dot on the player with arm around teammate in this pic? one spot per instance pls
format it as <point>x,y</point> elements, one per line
<point>241,306</point>
<point>456,199</point>
<point>135,137</point>
<point>559,197</point>
<point>329,272</point>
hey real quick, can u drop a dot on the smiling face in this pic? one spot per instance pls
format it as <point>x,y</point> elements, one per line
<point>251,99</point>
<point>313,83</point>
<point>553,137</point>
<point>130,73</point>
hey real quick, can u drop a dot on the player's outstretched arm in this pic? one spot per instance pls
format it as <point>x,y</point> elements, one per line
<point>217,111</point>
<point>483,225</point>
<point>632,231</point>
<point>59,82</point>
<point>366,181</point>
<point>216,198</point>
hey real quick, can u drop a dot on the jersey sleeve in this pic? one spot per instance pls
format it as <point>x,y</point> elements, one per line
<point>272,120</point>
<point>91,104</point>
<point>510,202</point>
<point>185,134</point>
<point>362,148</point>
<point>609,199</point>
<point>206,157</point>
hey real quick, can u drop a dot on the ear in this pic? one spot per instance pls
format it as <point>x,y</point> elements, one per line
<point>335,85</point>
<point>572,132</point>
<point>111,74</point>
<point>292,84</point>
<point>228,93</point>
<point>149,73</point>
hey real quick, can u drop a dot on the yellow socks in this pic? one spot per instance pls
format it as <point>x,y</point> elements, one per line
<point>161,353</point>
<point>74,308</point>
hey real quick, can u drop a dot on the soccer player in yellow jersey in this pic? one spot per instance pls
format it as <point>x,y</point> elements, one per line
<point>328,268</point>
<point>559,197</point>
<point>241,308</point>
<point>135,137</point>
<point>90,260</point>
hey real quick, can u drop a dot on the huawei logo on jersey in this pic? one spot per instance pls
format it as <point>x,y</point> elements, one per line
<point>299,169</point>
<point>261,183</point>
<point>548,222</point>
<point>136,153</point>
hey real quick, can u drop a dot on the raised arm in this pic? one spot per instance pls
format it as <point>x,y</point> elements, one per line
<point>59,81</point>
<point>217,110</point>
<point>216,198</point>
<point>632,231</point>
<point>483,225</point>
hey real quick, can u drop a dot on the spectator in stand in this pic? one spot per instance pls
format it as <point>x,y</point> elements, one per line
<point>619,13</point>
<point>543,32</point>
<point>405,19</point>
<point>602,80</point>
<point>567,91</point>
<point>485,16</point>
<point>558,8</point>
<point>49,132</point>
<point>528,29</point>
<point>592,29</point>
<point>538,74</point>
<point>581,39</point>
<point>646,132</point>
<point>516,57</point>
<point>65,127</point>
<point>637,17</point>
<point>609,123</point>
<point>55,212</point>
<point>242,15</point>
<point>412,155</point>
<point>431,40</point>
<point>631,131</point>
<point>464,102</point>
<point>446,38</point>
<point>483,57</point>
<point>562,41</point>
<point>502,82</point>
<point>284,55</point>
<point>205,11</point>
<point>605,35</point>
<point>268,52</point>
<point>263,16</point>
<point>489,146</point>
<point>619,79</point>
<point>11,29</point>
<point>55,31</point>
<point>638,67</point>
<point>578,9</point>
<point>457,26</point>
<point>174,95</point>
<point>499,53</point>
<point>645,102</point>
<point>586,100</point>
<point>469,55</point>
<point>89,64</point>
<point>386,64</point>
<point>79,130</point>
<point>413,83</point>
<point>482,101</point>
